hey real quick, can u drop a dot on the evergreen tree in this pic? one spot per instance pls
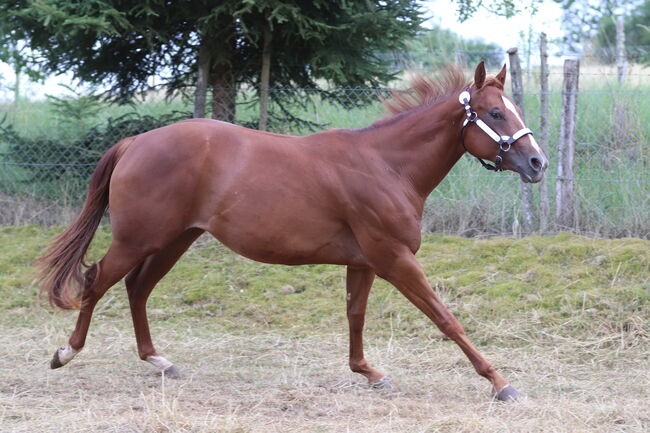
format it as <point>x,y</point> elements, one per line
<point>119,44</point>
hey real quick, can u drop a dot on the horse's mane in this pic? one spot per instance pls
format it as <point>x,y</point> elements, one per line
<point>426,89</point>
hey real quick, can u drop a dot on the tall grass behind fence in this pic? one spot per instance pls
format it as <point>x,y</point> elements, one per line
<point>612,180</point>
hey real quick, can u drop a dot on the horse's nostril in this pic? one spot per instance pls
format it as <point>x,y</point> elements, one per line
<point>535,163</point>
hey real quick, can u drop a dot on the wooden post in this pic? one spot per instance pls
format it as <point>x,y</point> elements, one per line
<point>516,81</point>
<point>565,212</point>
<point>543,131</point>
<point>621,60</point>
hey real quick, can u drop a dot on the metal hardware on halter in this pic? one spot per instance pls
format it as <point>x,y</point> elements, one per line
<point>504,141</point>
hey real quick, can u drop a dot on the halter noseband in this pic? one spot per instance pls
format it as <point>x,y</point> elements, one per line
<point>504,141</point>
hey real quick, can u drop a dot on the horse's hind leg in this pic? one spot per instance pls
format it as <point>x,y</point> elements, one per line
<point>358,282</point>
<point>119,259</point>
<point>139,284</point>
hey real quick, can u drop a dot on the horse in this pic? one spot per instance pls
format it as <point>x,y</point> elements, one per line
<point>351,197</point>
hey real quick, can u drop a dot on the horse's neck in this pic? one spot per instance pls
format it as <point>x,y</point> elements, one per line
<point>423,144</point>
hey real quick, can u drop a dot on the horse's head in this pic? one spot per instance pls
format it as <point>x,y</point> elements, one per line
<point>493,128</point>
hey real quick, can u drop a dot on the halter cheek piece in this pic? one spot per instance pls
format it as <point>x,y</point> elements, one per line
<point>504,141</point>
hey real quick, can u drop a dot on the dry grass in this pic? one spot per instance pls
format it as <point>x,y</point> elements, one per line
<point>26,209</point>
<point>565,318</point>
<point>273,382</point>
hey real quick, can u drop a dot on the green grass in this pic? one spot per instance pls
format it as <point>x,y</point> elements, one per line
<point>581,286</point>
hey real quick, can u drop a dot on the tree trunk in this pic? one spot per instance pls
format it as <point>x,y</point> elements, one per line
<point>264,79</point>
<point>202,81</point>
<point>224,93</point>
<point>17,70</point>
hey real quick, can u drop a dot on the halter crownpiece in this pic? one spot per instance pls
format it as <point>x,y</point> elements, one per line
<point>504,141</point>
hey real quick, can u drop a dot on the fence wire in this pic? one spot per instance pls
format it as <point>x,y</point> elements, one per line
<point>46,157</point>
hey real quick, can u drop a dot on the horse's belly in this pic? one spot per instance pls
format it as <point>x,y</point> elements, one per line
<point>289,241</point>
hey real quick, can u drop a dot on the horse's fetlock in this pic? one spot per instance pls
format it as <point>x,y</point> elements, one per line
<point>485,370</point>
<point>359,366</point>
<point>146,352</point>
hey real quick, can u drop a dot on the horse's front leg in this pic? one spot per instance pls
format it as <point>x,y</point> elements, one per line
<point>404,272</point>
<point>358,284</point>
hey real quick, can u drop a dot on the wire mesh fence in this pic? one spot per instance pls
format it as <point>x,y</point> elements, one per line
<point>46,157</point>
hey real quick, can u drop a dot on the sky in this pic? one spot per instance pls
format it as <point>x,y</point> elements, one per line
<point>492,28</point>
<point>505,32</point>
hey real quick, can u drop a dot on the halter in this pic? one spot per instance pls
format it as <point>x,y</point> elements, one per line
<point>504,141</point>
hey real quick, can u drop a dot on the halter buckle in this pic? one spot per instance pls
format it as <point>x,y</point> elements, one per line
<point>505,146</point>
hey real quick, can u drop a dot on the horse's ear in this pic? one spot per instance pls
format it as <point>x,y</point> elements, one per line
<point>479,75</point>
<point>501,76</point>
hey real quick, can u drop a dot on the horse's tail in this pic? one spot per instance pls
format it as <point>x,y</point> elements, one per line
<point>61,267</point>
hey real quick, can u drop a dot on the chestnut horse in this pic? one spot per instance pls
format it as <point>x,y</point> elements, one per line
<point>350,197</point>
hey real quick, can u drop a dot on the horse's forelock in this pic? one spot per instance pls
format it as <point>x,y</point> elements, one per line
<point>493,82</point>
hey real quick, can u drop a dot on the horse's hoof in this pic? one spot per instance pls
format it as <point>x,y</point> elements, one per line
<point>508,393</point>
<point>383,383</point>
<point>56,361</point>
<point>171,372</point>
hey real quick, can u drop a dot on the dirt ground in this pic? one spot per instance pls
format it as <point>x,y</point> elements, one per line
<point>273,382</point>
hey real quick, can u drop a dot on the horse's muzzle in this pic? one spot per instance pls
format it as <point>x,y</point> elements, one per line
<point>534,171</point>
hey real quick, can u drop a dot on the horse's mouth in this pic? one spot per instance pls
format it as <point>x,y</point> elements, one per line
<point>527,178</point>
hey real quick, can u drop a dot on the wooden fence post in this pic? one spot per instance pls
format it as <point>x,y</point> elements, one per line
<point>621,60</point>
<point>565,211</point>
<point>516,80</point>
<point>543,131</point>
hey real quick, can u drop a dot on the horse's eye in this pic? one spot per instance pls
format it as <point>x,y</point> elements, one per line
<point>496,114</point>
